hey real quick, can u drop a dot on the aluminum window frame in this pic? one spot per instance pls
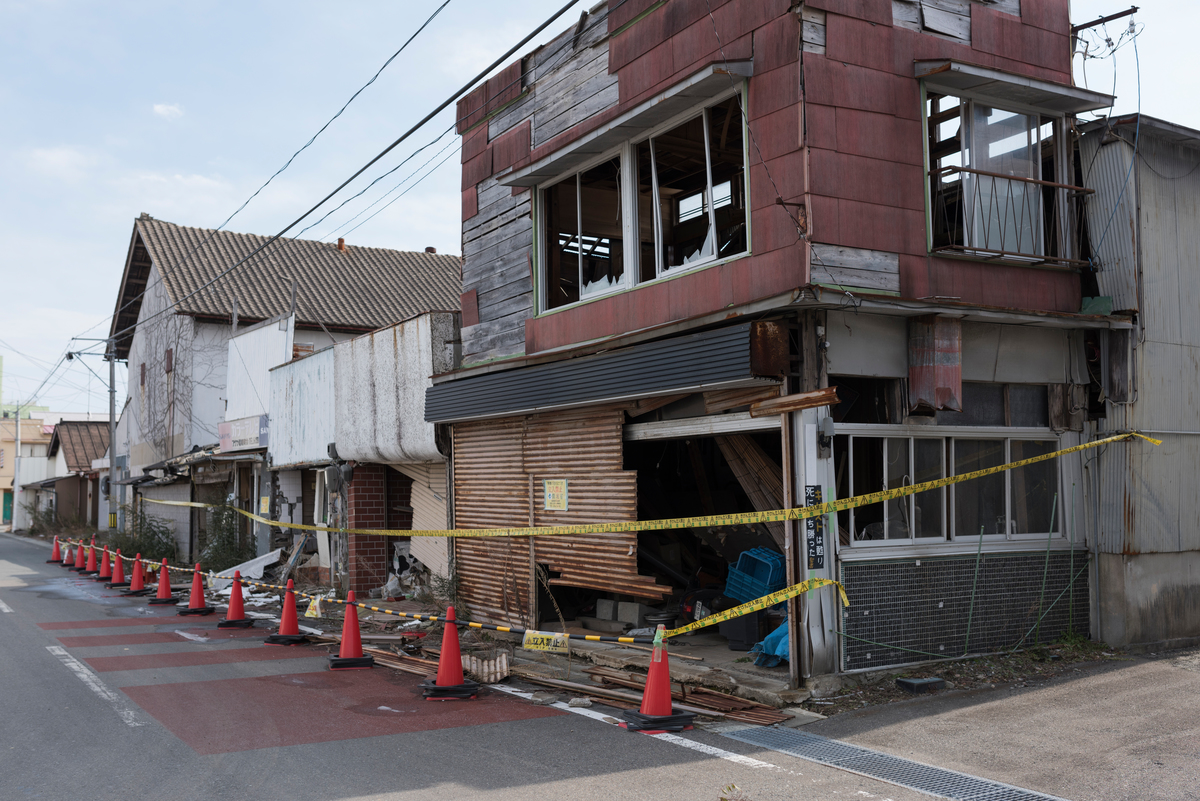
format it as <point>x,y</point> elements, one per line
<point>625,152</point>
<point>1063,166</point>
<point>948,435</point>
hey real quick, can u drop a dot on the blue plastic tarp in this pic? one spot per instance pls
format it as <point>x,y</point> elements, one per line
<point>773,649</point>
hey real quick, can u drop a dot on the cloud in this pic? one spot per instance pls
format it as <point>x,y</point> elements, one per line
<point>169,112</point>
<point>64,163</point>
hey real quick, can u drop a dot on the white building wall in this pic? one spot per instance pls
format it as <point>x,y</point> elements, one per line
<point>302,410</point>
<point>379,389</point>
<point>250,357</point>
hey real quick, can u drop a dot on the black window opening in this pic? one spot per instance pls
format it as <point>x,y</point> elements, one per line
<point>685,192</point>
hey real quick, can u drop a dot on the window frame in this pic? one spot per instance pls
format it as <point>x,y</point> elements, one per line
<point>626,153</point>
<point>949,435</point>
<point>1063,164</point>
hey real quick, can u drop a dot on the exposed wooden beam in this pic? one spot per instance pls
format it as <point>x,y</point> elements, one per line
<point>794,403</point>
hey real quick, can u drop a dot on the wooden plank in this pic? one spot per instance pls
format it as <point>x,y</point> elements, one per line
<point>948,23</point>
<point>906,14</point>
<point>647,405</point>
<point>794,403</point>
<point>856,258</point>
<point>725,399</point>
<point>842,278</point>
<point>760,478</point>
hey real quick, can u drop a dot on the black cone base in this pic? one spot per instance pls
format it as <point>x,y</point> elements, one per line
<point>636,721</point>
<point>286,639</point>
<point>138,593</point>
<point>102,578</point>
<point>89,572</point>
<point>244,623</point>
<point>351,662</point>
<point>454,692</point>
<point>171,601</point>
<point>75,569</point>
<point>199,610</point>
<point>114,585</point>
<point>54,561</point>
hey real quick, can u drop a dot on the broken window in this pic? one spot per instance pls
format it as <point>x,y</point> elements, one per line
<point>686,189</point>
<point>1016,502</point>
<point>993,182</point>
<point>584,252</point>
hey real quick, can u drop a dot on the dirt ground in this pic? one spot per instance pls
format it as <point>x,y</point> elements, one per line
<point>1029,667</point>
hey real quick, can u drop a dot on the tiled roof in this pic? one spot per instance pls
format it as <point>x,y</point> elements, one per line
<point>359,289</point>
<point>81,442</point>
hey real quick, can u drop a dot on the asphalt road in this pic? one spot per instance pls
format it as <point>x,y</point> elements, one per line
<point>105,697</point>
<point>101,698</point>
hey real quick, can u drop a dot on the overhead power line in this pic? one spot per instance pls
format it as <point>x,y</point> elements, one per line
<point>163,269</point>
<point>466,87</point>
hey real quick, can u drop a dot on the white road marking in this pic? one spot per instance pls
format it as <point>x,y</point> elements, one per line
<point>714,751</point>
<point>5,608</point>
<point>93,683</point>
<point>710,750</point>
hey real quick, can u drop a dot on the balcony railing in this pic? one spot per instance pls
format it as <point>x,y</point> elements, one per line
<point>1000,217</point>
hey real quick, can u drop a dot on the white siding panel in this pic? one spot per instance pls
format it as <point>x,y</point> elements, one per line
<point>379,389</point>
<point>867,344</point>
<point>429,514</point>
<point>251,356</point>
<point>302,410</point>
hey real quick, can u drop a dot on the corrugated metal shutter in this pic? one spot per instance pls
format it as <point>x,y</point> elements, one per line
<point>499,466</point>
<point>429,513</point>
<point>738,355</point>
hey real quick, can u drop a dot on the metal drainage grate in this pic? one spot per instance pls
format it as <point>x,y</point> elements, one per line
<point>937,782</point>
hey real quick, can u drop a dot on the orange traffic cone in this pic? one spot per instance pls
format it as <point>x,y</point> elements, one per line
<point>196,605</point>
<point>164,587</point>
<point>68,557</point>
<point>350,655</point>
<point>450,684</point>
<point>79,564</point>
<point>235,617</point>
<point>138,585</point>
<point>105,573</point>
<point>56,554</point>
<point>90,570</point>
<point>289,630</point>
<point>656,715</point>
<point>118,572</point>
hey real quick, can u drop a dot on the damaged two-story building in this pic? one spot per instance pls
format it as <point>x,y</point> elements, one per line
<point>676,212</point>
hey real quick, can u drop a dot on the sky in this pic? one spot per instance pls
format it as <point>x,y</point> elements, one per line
<point>182,110</point>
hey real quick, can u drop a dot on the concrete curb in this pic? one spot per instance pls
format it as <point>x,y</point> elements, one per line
<point>42,543</point>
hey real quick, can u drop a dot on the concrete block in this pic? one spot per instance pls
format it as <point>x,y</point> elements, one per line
<point>633,613</point>
<point>606,609</point>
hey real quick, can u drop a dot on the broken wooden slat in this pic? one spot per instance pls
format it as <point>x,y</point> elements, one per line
<point>724,399</point>
<point>794,403</point>
<point>760,478</point>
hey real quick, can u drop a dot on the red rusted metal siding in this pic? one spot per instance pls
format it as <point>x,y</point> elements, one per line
<point>689,295</point>
<point>934,363</point>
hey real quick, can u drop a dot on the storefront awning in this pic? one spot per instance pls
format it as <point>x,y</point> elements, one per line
<point>740,355</point>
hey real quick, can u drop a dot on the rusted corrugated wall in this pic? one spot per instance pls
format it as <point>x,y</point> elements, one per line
<point>934,363</point>
<point>499,466</point>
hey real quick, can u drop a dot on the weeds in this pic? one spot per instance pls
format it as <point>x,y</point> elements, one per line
<point>153,537</point>
<point>225,544</point>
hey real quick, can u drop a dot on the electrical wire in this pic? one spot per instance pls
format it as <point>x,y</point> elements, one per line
<point>288,163</point>
<point>380,199</point>
<point>359,172</point>
<point>406,191</point>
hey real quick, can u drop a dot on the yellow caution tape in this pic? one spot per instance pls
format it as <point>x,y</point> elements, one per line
<point>706,521</point>
<point>760,603</point>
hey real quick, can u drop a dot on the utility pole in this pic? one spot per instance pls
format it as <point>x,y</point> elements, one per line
<point>16,490</point>
<point>112,435</point>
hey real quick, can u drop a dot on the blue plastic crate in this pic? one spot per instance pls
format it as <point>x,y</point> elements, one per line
<point>758,572</point>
